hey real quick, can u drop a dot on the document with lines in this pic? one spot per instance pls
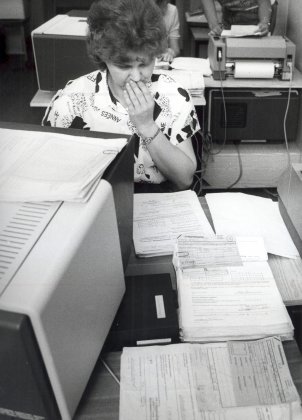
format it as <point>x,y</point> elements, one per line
<point>216,381</point>
<point>223,294</point>
<point>48,166</point>
<point>158,219</point>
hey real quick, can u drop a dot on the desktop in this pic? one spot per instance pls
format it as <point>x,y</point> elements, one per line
<point>57,309</point>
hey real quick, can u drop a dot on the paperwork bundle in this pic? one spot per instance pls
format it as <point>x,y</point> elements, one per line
<point>230,381</point>
<point>226,290</point>
<point>241,214</point>
<point>158,219</point>
<point>42,166</point>
<point>189,72</point>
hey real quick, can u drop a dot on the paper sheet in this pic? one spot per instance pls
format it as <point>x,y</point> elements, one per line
<point>242,214</point>
<point>200,382</point>
<point>288,275</point>
<point>190,64</point>
<point>42,166</point>
<point>158,219</point>
<point>240,31</point>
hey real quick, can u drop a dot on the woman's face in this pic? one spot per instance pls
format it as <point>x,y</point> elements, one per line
<point>137,67</point>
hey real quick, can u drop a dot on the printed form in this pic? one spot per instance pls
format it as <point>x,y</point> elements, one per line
<point>220,381</point>
<point>223,296</point>
<point>158,219</point>
<point>47,166</point>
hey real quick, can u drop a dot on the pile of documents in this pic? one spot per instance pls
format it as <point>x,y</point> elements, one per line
<point>226,290</point>
<point>241,214</point>
<point>189,72</point>
<point>230,381</point>
<point>238,31</point>
<point>42,166</point>
<point>158,219</point>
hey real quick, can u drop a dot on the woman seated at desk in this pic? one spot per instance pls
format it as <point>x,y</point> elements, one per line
<point>125,97</point>
<point>240,12</point>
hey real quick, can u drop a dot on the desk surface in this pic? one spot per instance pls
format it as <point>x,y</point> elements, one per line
<point>42,98</point>
<point>101,398</point>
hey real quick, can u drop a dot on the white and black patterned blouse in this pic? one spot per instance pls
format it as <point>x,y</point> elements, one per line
<point>87,103</point>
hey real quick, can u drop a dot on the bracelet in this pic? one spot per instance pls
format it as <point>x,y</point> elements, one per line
<point>147,140</point>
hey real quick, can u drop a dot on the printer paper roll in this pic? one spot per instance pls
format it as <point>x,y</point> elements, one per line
<point>254,70</point>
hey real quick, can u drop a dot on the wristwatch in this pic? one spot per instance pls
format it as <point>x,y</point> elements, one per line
<point>147,140</point>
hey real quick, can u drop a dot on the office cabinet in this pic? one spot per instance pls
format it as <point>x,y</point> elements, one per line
<point>250,164</point>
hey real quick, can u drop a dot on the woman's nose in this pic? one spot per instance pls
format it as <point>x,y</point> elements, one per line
<point>135,75</point>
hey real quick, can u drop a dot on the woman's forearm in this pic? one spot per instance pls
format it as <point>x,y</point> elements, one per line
<point>177,165</point>
<point>210,12</point>
<point>264,11</point>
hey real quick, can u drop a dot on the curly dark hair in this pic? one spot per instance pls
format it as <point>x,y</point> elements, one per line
<point>117,27</point>
<point>163,4</point>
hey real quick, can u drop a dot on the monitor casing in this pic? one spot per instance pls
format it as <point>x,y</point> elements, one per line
<point>57,310</point>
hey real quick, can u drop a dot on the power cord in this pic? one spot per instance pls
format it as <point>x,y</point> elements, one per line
<point>203,145</point>
<point>240,167</point>
<point>224,105</point>
<point>285,118</point>
<point>110,371</point>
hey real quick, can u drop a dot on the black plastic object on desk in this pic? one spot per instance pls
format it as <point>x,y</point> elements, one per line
<point>147,314</point>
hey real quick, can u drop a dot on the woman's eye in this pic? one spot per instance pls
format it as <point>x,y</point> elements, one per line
<point>123,66</point>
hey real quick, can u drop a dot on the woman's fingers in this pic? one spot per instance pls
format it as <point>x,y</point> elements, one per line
<point>137,96</point>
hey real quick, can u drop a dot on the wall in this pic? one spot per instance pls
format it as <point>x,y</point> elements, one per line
<point>294,29</point>
<point>281,22</point>
<point>294,33</point>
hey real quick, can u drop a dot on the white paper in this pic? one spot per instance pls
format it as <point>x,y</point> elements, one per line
<point>158,219</point>
<point>240,31</point>
<point>288,275</point>
<point>191,64</point>
<point>242,214</point>
<point>253,69</point>
<point>221,297</point>
<point>226,303</point>
<point>193,381</point>
<point>42,166</point>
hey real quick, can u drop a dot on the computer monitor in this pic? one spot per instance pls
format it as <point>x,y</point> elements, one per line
<point>57,309</point>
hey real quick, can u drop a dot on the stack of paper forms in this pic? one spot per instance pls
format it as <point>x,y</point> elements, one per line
<point>158,219</point>
<point>218,381</point>
<point>189,72</point>
<point>226,290</point>
<point>42,166</point>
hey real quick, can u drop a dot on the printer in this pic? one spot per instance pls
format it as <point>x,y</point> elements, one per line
<point>252,57</point>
